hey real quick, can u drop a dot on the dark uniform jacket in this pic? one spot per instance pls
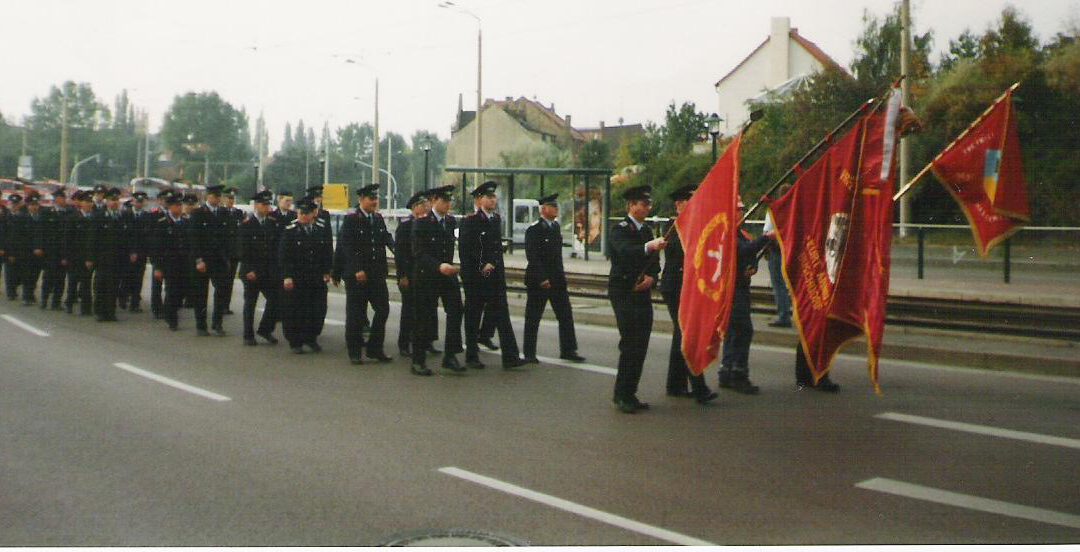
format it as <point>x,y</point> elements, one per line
<point>671,279</point>
<point>303,256</point>
<point>284,218</point>
<point>362,245</point>
<point>437,243</point>
<point>170,249</point>
<point>748,250</point>
<point>211,236</point>
<point>481,244</point>
<point>259,246</point>
<point>403,251</point>
<point>543,249</point>
<point>628,259</point>
<point>234,218</point>
<point>77,236</point>
<point>110,242</point>
<point>29,233</point>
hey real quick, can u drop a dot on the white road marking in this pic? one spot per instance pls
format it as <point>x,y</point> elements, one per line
<point>574,508</point>
<point>959,500</point>
<point>25,326</point>
<point>982,430</point>
<point>172,383</point>
<point>575,365</point>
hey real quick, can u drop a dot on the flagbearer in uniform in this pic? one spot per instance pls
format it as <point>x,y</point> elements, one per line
<point>403,263</point>
<point>545,280</point>
<point>259,269</point>
<point>671,289</point>
<point>306,256</point>
<point>735,362</point>
<point>484,277</point>
<point>360,260</point>
<point>630,283</point>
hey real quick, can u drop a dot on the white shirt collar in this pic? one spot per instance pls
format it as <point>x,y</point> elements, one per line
<point>637,224</point>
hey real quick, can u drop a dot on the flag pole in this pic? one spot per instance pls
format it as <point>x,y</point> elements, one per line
<point>911,183</point>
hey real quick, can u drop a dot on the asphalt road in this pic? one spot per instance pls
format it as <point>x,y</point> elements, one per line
<point>270,448</point>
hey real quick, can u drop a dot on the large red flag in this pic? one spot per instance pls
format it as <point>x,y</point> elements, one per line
<point>835,231</point>
<point>707,228</point>
<point>984,173</point>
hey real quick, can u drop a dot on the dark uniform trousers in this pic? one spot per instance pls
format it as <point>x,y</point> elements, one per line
<point>543,250</point>
<point>437,243</point>
<point>109,251</point>
<point>357,298</point>
<point>735,360</point>
<point>258,252</point>
<point>216,273</point>
<point>633,309</point>
<point>481,244</point>
<point>55,276</point>
<point>305,256</point>
<point>12,278</point>
<point>361,246</point>
<point>79,287</point>
<point>671,289</point>
<point>270,288</point>
<point>156,304</point>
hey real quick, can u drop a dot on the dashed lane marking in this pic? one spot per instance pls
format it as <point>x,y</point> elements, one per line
<point>575,508</point>
<point>982,430</point>
<point>172,383</point>
<point>25,326</point>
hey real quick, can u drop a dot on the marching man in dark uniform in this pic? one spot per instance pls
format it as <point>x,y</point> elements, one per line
<point>170,252</point>
<point>12,274</point>
<point>545,280</point>
<point>31,238</point>
<point>259,236</point>
<point>735,362</point>
<point>306,255</point>
<point>55,276</point>
<point>235,217</point>
<point>630,283</point>
<point>211,239</point>
<point>360,260</point>
<point>5,232</point>
<point>403,264</point>
<point>671,289</point>
<point>141,224</point>
<point>314,193</point>
<point>77,239</point>
<point>437,279</point>
<point>284,213</point>
<point>109,253</point>
<point>484,277</point>
<point>157,306</point>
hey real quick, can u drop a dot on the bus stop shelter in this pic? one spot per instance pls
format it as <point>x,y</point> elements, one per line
<point>581,175</point>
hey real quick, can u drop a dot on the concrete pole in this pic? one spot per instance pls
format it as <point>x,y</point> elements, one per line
<point>375,148</point>
<point>326,153</point>
<point>905,94</point>
<point>64,137</point>
<point>479,93</point>
<point>260,128</point>
<point>146,150</point>
<point>390,171</point>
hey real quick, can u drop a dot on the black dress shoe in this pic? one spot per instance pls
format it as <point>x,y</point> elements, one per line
<point>625,406</point>
<point>450,362</point>
<point>228,312</point>
<point>531,360</point>
<point>268,337</point>
<point>741,386</point>
<point>202,333</point>
<point>298,350</point>
<point>489,344</point>
<point>706,398</point>
<point>572,357</point>
<point>355,359</point>
<point>420,370</point>
<point>250,341</point>
<point>780,324</point>
<point>827,385</point>
<point>638,404</point>
<point>684,394</point>
<point>315,347</point>
<point>379,356</point>
<point>475,364</point>
<point>513,363</point>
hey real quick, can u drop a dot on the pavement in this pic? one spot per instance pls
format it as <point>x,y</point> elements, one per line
<point>127,434</point>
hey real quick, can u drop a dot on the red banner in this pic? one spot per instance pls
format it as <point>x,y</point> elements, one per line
<point>707,228</point>
<point>835,231</point>
<point>984,173</point>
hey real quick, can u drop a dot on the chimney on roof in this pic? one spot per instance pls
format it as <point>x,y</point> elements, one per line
<point>553,107</point>
<point>779,41</point>
<point>509,98</point>
<point>460,105</point>
<point>568,119</point>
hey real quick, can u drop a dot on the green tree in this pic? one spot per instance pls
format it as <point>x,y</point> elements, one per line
<point>596,154</point>
<point>683,127</point>
<point>877,51</point>
<point>201,125</point>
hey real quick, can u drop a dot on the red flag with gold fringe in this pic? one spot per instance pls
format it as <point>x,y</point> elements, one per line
<point>707,228</point>
<point>835,231</point>
<point>984,172</point>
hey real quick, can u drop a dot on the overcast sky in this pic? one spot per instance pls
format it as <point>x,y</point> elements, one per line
<point>594,59</point>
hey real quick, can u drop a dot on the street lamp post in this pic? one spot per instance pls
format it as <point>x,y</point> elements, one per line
<point>427,173</point>
<point>713,122</point>
<point>479,73</point>
<point>75,170</point>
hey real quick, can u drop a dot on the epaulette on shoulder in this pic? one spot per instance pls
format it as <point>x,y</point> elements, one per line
<point>291,225</point>
<point>352,215</point>
<point>319,223</point>
<point>623,224</point>
<point>535,223</point>
<point>163,219</point>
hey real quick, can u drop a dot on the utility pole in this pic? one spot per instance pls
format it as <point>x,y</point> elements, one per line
<point>390,170</point>
<point>375,148</point>
<point>326,153</point>
<point>479,94</point>
<point>261,131</point>
<point>905,94</point>
<point>146,150</point>
<point>64,137</point>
